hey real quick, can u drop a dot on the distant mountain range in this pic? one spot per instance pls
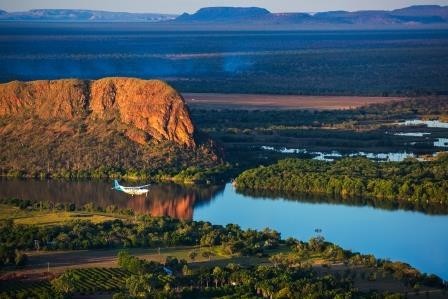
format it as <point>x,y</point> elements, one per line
<point>77,15</point>
<point>422,14</point>
<point>225,14</point>
<point>247,16</point>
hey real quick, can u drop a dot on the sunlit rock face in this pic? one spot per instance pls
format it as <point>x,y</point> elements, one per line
<point>150,108</point>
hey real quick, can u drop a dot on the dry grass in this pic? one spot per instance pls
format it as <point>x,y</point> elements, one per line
<point>60,217</point>
<point>285,102</point>
<point>48,217</point>
<point>10,212</point>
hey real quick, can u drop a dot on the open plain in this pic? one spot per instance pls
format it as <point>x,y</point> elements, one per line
<point>220,101</point>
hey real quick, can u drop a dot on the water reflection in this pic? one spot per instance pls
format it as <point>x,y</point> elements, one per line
<point>162,200</point>
<point>426,208</point>
<point>173,200</point>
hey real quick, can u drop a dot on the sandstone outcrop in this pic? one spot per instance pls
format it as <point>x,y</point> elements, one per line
<point>149,108</point>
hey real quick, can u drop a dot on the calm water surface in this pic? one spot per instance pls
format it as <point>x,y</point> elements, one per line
<point>413,237</point>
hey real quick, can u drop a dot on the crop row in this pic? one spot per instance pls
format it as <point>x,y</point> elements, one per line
<point>12,288</point>
<point>100,279</point>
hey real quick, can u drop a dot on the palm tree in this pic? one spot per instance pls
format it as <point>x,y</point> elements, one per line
<point>265,288</point>
<point>217,274</point>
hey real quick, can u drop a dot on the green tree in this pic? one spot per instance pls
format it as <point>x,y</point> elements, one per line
<point>66,283</point>
<point>218,275</point>
<point>141,286</point>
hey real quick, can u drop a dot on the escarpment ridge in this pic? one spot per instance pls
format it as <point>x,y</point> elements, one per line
<point>111,127</point>
<point>150,108</point>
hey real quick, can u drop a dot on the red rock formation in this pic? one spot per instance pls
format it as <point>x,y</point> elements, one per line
<point>149,107</point>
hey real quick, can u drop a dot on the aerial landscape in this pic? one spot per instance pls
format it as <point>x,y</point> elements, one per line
<point>223,149</point>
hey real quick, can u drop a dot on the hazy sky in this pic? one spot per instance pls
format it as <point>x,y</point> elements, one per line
<point>179,6</point>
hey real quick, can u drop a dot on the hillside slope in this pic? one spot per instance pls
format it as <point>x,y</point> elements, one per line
<point>114,124</point>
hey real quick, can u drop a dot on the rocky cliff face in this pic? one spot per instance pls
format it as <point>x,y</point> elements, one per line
<point>148,108</point>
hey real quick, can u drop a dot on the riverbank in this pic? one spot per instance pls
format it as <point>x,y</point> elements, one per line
<point>188,176</point>
<point>421,183</point>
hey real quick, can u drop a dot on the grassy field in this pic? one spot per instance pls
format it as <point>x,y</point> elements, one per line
<point>48,217</point>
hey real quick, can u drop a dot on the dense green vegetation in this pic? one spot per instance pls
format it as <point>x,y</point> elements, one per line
<point>19,289</point>
<point>184,174</point>
<point>147,232</point>
<point>411,180</point>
